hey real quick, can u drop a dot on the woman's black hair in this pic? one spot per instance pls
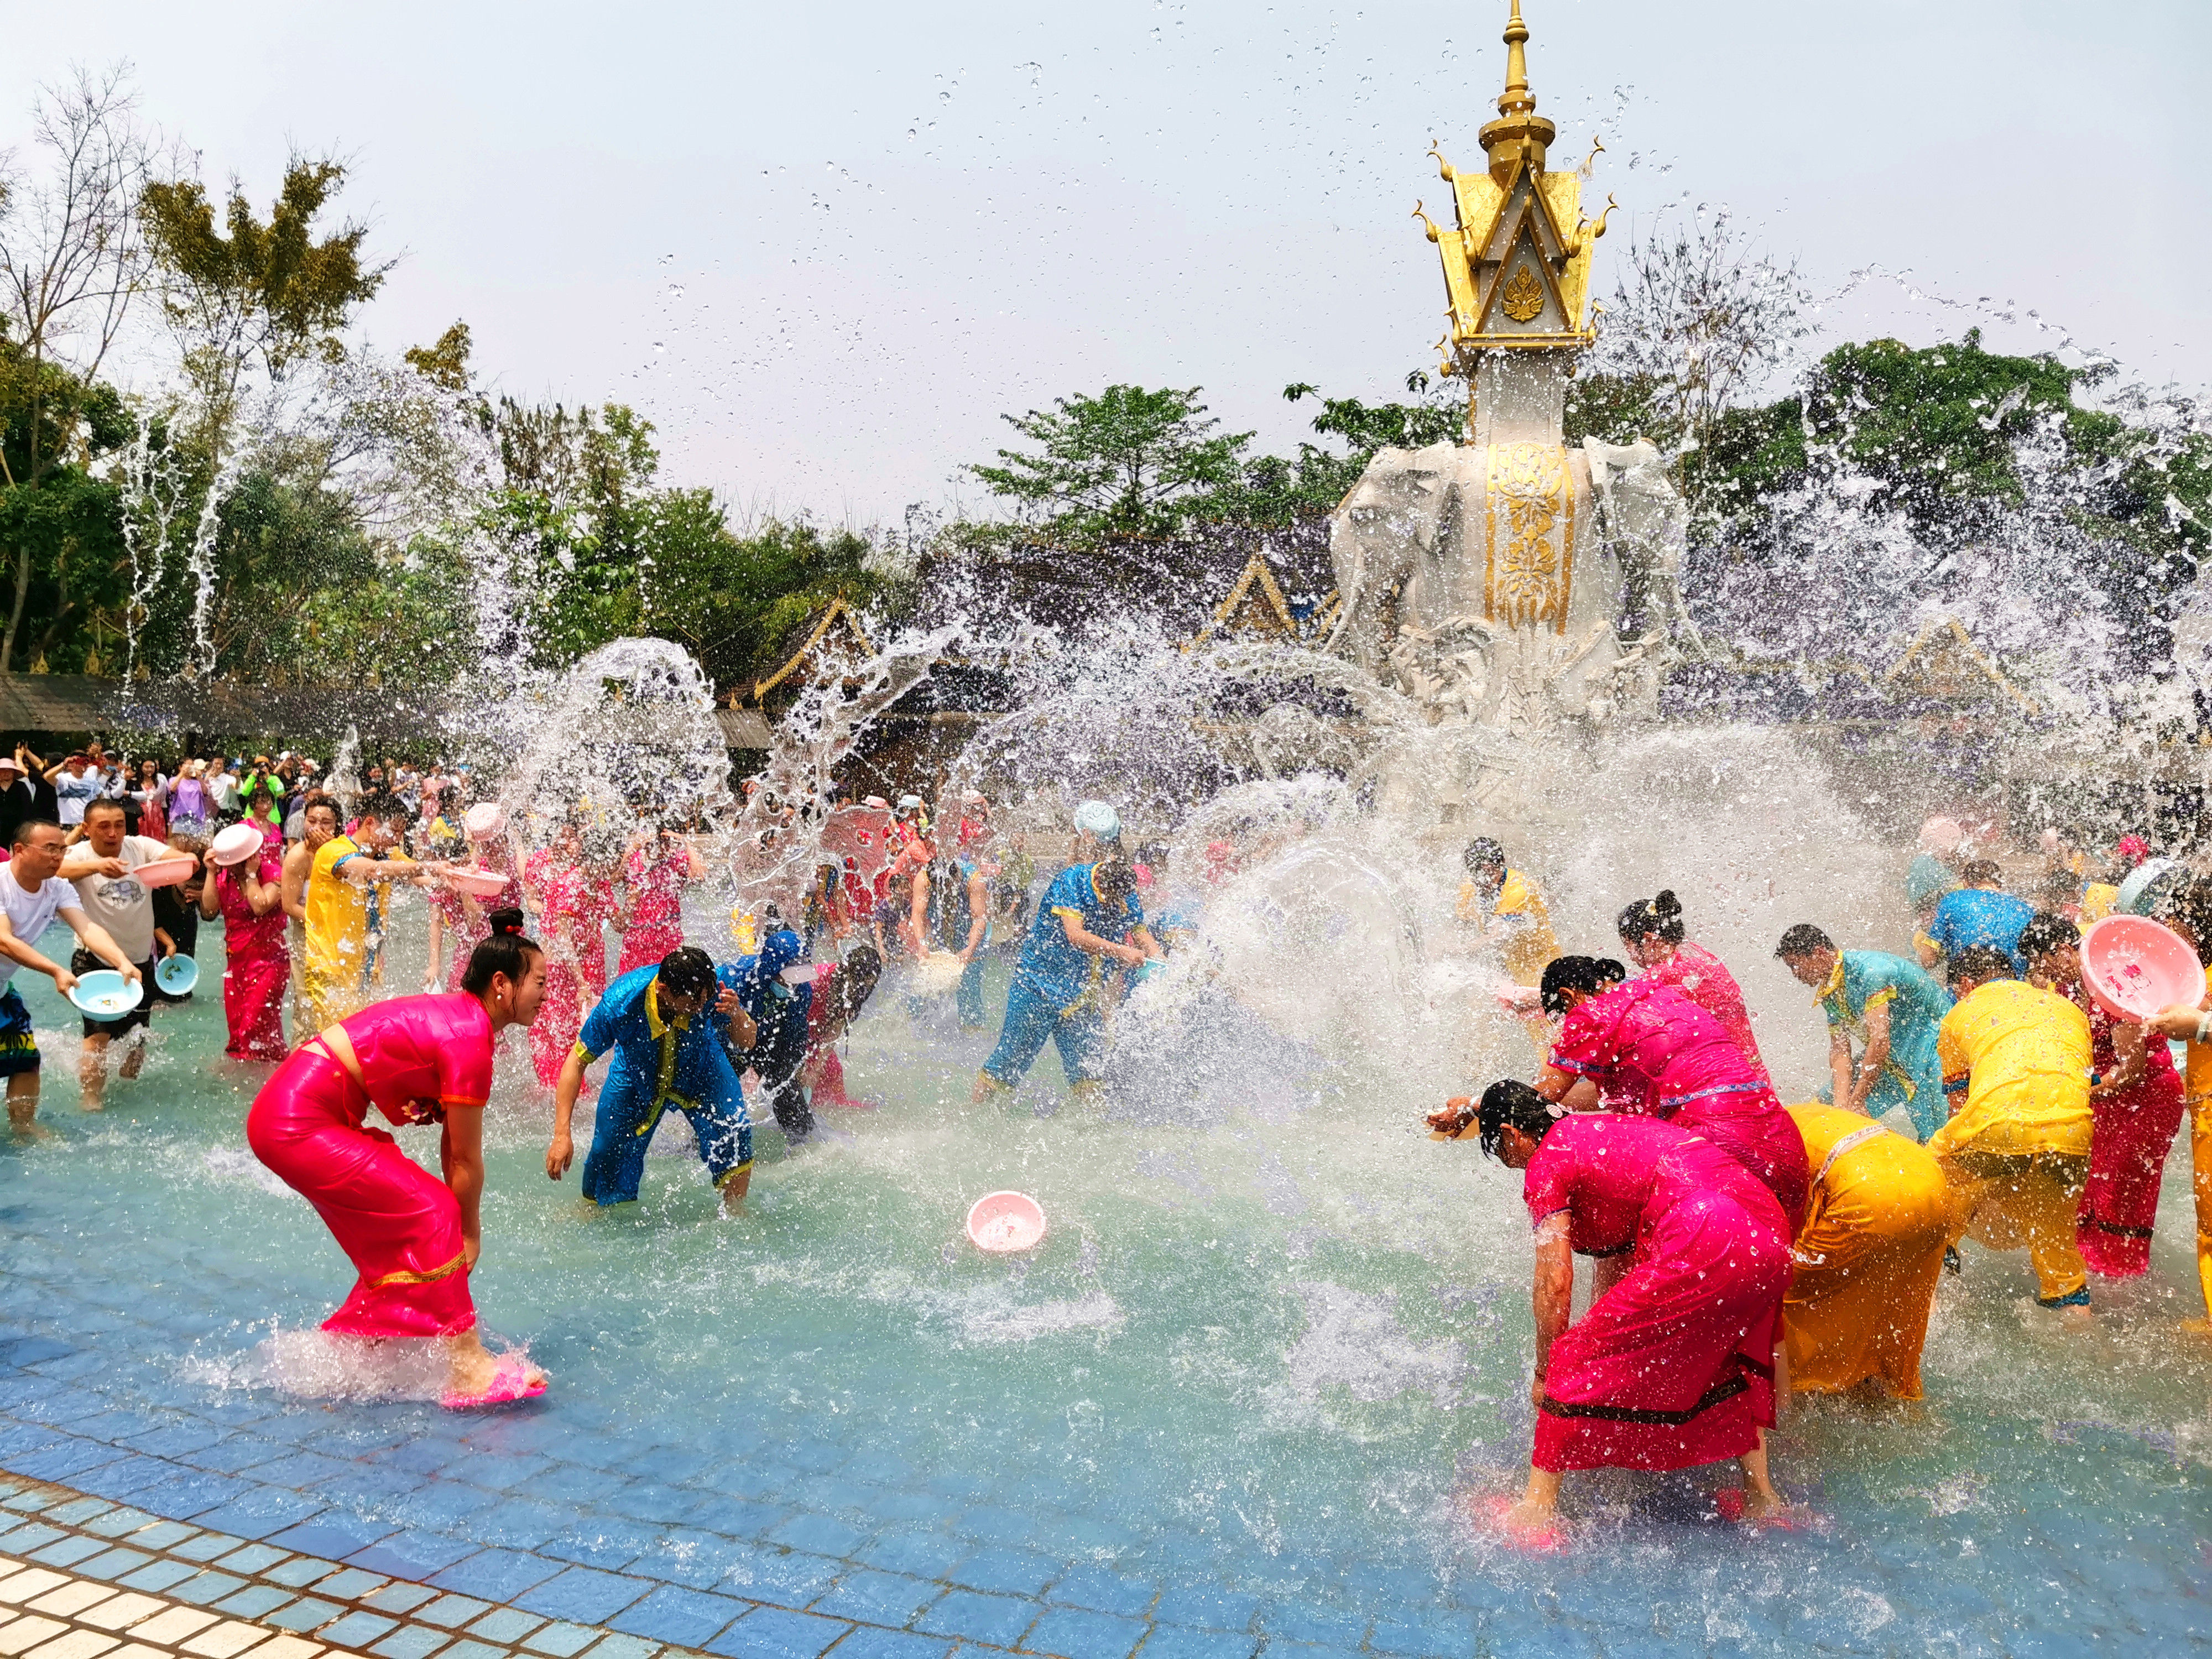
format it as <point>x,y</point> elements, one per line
<point>2045,932</point>
<point>1510,1101</point>
<point>1569,974</point>
<point>1610,972</point>
<point>1662,915</point>
<point>856,978</point>
<point>688,971</point>
<point>1114,876</point>
<point>507,951</point>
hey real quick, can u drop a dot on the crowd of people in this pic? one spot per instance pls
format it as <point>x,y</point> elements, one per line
<point>1742,1249</point>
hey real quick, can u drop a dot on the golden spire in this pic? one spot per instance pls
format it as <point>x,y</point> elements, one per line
<point>1518,134</point>
<point>1516,99</point>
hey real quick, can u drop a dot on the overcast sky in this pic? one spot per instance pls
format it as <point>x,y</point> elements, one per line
<point>824,247</point>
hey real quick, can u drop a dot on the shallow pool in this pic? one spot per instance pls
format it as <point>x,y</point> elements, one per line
<point>1273,1338</point>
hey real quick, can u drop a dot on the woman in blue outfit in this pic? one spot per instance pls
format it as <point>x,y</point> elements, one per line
<point>666,1052</point>
<point>1978,911</point>
<point>1089,918</point>
<point>777,1011</point>
<point>1895,1008</point>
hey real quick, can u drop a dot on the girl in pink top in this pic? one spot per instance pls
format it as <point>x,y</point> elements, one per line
<point>1652,933</point>
<point>412,1238</point>
<point>1649,1040</point>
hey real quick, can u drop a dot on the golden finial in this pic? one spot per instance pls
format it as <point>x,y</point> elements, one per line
<point>1590,230</point>
<point>1419,212</point>
<point>1443,167</point>
<point>1516,99</point>
<point>1589,161</point>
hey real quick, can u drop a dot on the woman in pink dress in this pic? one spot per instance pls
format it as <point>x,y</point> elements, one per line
<point>1672,1365</point>
<point>246,890</point>
<point>578,902</point>
<point>2136,1103</point>
<point>657,871</point>
<point>1646,1040</point>
<point>412,1238</point>
<point>1652,933</point>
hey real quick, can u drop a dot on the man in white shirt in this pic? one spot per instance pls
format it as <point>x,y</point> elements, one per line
<point>32,895</point>
<point>222,792</point>
<point>116,901</point>
<point>75,781</point>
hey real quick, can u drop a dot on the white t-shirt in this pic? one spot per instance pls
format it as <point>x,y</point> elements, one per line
<point>31,913</point>
<point>222,788</point>
<point>120,903</point>
<point>71,795</point>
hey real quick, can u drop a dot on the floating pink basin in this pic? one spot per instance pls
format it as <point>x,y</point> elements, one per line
<point>2134,966</point>
<point>165,873</point>
<point>1000,1222</point>
<point>476,881</point>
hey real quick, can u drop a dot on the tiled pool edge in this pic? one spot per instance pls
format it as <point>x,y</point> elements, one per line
<point>345,1605</point>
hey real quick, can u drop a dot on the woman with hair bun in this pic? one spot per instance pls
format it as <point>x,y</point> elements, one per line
<point>1672,1365</point>
<point>412,1238</point>
<point>1652,933</point>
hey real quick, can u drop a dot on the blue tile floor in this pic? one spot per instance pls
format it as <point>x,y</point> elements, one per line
<point>1220,1412</point>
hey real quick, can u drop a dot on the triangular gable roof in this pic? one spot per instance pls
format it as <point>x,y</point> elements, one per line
<point>1525,236</point>
<point>1944,662</point>
<point>1256,588</point>
<point>834,613</point>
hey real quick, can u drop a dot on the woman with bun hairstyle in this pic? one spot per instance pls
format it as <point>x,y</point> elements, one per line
<point>412,1238</point>
<point>1646,1048</point>
<point>1652,933</point>
<point>1672,1365</point>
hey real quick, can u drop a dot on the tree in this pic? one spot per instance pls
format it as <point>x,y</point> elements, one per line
<point>1697,323</point>
<point>1129,462</point>
<point>72,259</point>
<point>263,295</point>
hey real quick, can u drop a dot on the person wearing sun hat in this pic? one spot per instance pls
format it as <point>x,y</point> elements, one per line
<point>246,890</point>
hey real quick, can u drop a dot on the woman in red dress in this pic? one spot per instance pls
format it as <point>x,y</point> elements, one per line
<point>246,888</point>
<point>412,1238</point>
<point>2135,1109</point>
<point>1652,933</point>
<point>1648,1048</point>
<point>579,903</point>
<point>657,871</point>
<point>1672,1366</point>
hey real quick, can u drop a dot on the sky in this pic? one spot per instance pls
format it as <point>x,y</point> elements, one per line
<point>825,248</point>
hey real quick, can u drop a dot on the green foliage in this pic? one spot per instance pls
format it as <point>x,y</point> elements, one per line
<point>266,292</point>
<point>61,524</point>
<point>445,364</point>
<point>1621,408</point>
<point>1129,462</point>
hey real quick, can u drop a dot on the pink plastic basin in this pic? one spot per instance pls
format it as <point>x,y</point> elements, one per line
<point>1000,1222</point>
<point>2134,966</point>
<point>165,873</point>
<point>477,883</point>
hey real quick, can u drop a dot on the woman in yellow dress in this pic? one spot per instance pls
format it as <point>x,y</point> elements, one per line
<point>344,911</point>
<point>1868,1257</point>
<point>2188,911</point>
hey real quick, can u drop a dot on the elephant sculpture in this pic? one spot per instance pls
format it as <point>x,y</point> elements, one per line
<point>1487,583</point>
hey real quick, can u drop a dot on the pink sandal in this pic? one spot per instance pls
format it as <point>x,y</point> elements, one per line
<point>1490,1515</point>
<point>511,1382</point>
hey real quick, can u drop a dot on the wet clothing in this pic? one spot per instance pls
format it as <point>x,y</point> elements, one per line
<point>1521,921</point>
<point>780,1013</point>
<point>2016,1149</point>
<point>1060,994</point>
<point>19,1043</point>
<point>1673,1366</point>
<point>2131,1131</point>
<point>1912,1075</point>
<point>1981,915</point>
<point>2197,1085</point>
<point>257,963</point>
<point>1868,1255</point>
<point>657,1063</point>
<point>658,875</point>
<point>399,1225</point>
<point>1704,978</point>
<point>1652,1049</point>
<point>342,931</point>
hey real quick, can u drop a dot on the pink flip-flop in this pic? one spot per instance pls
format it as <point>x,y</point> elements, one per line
<point>510,1383</point>
<point>1489,1514</point>
<point>1729,1500</point>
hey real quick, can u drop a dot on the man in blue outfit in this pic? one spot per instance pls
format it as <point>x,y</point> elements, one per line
<point>777,1011</point>
<point>1089,917</point>
<point>1980,912</point>
<point>667,1053</point>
